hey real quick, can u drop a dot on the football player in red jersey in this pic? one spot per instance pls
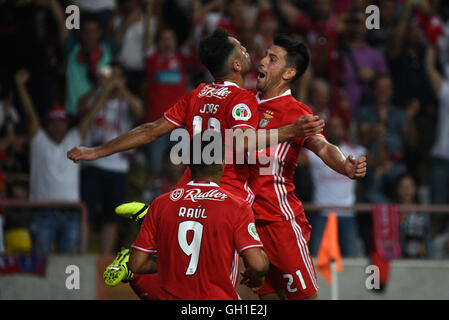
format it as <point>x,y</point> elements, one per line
<point>198,231</point>
<point>280,219</point>
<point>220,105</point>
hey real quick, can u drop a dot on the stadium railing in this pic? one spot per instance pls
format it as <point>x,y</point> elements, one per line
<point>60,205</point>
<point>366,208</point>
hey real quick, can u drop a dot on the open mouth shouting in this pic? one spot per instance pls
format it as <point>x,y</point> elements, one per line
<point>262,74</point>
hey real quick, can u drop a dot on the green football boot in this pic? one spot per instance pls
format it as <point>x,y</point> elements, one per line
<point>118,271</point>
<point>135,211</point>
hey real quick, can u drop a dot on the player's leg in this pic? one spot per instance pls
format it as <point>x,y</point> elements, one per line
<point>287,250</point>
<point>268,291</point>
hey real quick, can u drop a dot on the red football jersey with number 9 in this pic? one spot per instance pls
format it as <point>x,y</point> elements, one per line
<point>218,106</point>
<point>198,232</point>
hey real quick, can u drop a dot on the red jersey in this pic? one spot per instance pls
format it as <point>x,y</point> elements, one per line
<point>198,232</point>
<point>167,82</point>
<point>218,106</point>
<point>273,186</point>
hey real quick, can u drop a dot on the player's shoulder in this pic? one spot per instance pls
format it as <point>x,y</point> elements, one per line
<point>234,201</point>
<point>245,92</point>
<point>301,106</point>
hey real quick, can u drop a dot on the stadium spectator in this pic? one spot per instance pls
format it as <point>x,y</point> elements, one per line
<point>332,188</point>
<point>439,166</point>
<point>102,10</point>
<point>361,63</point>
<point>166,70</point>
<point>85,59</point>
<point>320,28</point>
<point>381,38</point>
<point>130,33</point>
<point>318,98</point>
<point>415,226</point>
<point>104,180</point>
<point>52,176</point>
<point>385,130</point>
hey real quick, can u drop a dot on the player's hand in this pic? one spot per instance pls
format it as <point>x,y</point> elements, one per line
<point>355,168</point>
<point>251,280</point>
<point>82,153</point>
<point>308,125</point>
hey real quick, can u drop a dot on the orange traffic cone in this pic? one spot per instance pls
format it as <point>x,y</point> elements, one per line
<point>329,249</point>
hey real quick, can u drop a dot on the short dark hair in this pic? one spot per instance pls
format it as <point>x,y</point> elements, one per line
<point>214,51</point>
<point>201,168</point>
<point>298,55</point>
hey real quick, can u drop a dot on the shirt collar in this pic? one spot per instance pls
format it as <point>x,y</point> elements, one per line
<point>286,93</point>
<point>203,184</point>
<point>225,84</point>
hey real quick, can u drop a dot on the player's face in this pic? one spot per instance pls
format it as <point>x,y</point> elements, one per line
<point>242,55</point>
<point>271,68</point>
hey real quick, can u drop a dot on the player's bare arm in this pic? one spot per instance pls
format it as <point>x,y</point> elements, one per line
<point>353,168</point>
<point>303,127</point>
<point>256,263</point>
<point>137,137</point>
<point>142,262</point>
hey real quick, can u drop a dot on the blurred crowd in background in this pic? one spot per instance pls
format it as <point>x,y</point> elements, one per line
<point>383,92</point>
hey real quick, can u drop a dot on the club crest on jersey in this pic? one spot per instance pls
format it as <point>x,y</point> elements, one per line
<point>267,116</point>
<point>210,91</point>
<point>241,112</point>
<point>195,194</point>
<point>253,232</point>
<point>176,194</point>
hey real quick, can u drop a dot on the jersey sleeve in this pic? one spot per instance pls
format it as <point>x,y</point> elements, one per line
<point>146,238</point>
<point>245,235</point>
<point>243,111</point>
<point>177,114</point>
<point>305,110</point>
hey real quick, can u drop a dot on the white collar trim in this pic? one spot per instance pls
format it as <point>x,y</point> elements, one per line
<point>286,93</point>
<point>210,184</point>
<point>226,84</point>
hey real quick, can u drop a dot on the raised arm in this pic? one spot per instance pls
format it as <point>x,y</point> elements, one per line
<point>137,137</point>
<point>136,110</point>
<point>397,40</point>
<point>90,115</point>
<point>434,76</point>
<point>148,38</point>
<point>22,77</point>
<point>58,14</point>
<point>333,157</point>
<point>304,126</point>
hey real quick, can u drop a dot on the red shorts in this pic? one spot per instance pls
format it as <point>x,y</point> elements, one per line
<point>291,267</point>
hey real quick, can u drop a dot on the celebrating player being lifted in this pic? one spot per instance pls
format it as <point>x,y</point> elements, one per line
<point>280,219</point>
